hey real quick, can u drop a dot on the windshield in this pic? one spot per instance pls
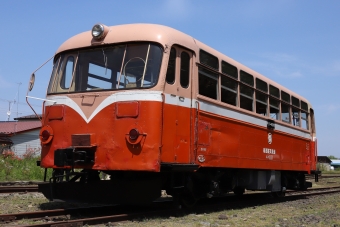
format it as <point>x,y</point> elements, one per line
<point>125,66</point>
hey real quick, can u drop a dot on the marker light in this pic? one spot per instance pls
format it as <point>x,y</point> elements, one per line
<point>99,31</point>
<point>133,134</point>
<point>45,135</point>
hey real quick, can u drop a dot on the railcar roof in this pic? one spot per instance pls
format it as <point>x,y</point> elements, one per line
<point>164,35</point>
<point>132,32</point>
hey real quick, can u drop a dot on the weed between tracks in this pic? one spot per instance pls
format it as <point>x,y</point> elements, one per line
<point>14,168</point>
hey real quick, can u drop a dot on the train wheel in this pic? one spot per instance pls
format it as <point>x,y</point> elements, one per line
<point>279,194</point>
<point>188,200</point>
<point>239,191</point>
<point>302,182</point>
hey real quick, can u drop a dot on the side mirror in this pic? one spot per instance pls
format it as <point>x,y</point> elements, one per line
<point>31,83</point>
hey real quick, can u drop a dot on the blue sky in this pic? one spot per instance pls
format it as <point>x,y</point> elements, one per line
<point>295,43</point>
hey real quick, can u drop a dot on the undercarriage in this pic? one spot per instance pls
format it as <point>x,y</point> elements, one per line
<point>187,187</point>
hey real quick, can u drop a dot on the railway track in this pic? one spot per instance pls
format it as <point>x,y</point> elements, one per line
<point>322,176</point>
<point>16,189</point>
<point>104,214</point>
<point>19,183</point>
<point>30,186</point>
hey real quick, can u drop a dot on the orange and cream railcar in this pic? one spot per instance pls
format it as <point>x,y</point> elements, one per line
<point>156,109</point>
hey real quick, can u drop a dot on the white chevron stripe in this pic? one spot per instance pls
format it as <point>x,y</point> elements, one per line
<point>122,96</point>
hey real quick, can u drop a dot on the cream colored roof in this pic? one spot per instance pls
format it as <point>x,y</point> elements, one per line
<point>132,32</point>
<point>164,35</point>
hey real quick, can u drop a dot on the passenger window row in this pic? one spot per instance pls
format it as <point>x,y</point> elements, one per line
<point>249,93</point>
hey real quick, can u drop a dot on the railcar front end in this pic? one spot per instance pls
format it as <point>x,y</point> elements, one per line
<point>103,114</point>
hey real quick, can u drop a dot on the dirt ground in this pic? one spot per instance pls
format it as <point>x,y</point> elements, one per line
<point>323,210</point>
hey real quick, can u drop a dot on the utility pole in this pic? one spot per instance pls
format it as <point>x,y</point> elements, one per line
<point>9,110</point>
<point>18,99</point>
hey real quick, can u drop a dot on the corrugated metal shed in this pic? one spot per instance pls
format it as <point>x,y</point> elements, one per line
<point>26,141</point>
<point>12,127</point>
<point>324,159</point>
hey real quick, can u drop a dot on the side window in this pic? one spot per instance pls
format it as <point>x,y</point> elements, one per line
<point>304,115</point>
<point>51,86</point>
<point>229,90</point>
<point>285,112</point>
<point>296,116</point>
<point>229,69</point>
<point>67,74</point>
<point>274,103</point>
<point>261,97</point>
<point>170,73</point>
<point>229,86</point>
<point>295,111</point>
<point>246,91</point>
<point>274,108</point>
<point>208,83</point>
<point>185,69</point>
<point>208,59</point>
<point>285,107</point>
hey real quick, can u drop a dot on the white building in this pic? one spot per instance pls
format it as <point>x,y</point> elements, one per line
<point>21,136</point>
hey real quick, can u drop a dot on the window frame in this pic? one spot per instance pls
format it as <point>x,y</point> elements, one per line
<point>276,100</point>
<point>174,66</point>
<point>184,77</point>
<point>212,57</point>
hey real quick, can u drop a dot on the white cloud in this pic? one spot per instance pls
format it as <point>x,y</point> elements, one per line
<point>283,64</point>
<point>328,109</point>
<point>331,108</point>
<point>294,74</point>
<point>278,65</point>
<point>335,66</point>
<point>326,70</point>
<point>176,8</point>
<point>278,57</point>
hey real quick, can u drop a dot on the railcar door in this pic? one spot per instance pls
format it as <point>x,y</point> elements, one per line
<point>176,137</point>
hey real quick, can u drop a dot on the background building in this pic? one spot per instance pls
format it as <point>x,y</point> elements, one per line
<point>335,163</point>
<point>20,136</point>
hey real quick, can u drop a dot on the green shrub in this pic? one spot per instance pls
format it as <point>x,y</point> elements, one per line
<point>13,168</point>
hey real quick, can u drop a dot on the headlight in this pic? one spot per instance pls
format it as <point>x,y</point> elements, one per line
<point>133,134</point>
<point>99,31</point>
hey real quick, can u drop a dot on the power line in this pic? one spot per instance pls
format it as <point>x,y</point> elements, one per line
<point>21,103</point>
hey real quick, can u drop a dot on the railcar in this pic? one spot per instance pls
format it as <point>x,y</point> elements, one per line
<point>155,109</point>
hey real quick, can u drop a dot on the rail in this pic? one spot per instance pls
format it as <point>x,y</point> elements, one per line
<point>105,214</point>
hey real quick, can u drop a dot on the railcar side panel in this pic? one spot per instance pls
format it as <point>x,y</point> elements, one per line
<point>226,142</point>
<point>176,136</point>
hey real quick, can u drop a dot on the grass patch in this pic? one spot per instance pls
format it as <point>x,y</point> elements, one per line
<point>13,168</point>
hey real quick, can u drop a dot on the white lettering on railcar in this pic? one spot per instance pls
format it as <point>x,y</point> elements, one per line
<point>270,157</point>
<point>269,151</point>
